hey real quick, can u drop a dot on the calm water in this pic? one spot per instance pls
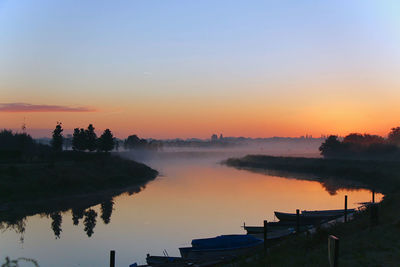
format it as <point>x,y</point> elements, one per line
<point>193,198</point>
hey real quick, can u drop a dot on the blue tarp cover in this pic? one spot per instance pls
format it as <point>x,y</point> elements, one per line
<point>225,241</point>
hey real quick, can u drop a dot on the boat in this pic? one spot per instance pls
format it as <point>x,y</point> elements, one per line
<point>167,261</point>
<point>162,260</point>
<point>223,246</point>
<point>326,212</point>
<point>311,217</point>
<point>276,229</point>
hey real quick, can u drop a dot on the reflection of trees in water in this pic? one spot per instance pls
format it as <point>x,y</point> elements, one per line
<point>106,210</point>
<point>56,223</point>
<point>90,221</point>
<point>331,185</point>
<point>17,225</point>
<point>77,214</point>
<point>80,208</point>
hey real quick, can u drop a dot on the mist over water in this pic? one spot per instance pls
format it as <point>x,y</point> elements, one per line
<point>194,197</point>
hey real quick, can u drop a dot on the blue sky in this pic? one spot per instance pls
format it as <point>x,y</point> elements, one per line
<point>113,55</point>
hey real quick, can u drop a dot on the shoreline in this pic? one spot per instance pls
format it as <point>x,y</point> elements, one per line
<point>363,242</point>
<point>31,188</point>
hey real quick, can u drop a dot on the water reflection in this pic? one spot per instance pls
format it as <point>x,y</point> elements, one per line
<point>77,214</point>
<point>106,210</point>
<point>191,199</point>
<point>56,223</point>
<point>80,208</point>
<point>331,185</point>
<point>90,221</point>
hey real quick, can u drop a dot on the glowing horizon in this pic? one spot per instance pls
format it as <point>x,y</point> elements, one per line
<point>185,69</point>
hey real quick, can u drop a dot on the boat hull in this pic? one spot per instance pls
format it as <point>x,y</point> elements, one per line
<point>310,217</point>
<point>276,232</point>
<point>191,253</point>
<point>229,246</point>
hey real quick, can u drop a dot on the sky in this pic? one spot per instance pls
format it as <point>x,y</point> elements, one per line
<point>167,69</point>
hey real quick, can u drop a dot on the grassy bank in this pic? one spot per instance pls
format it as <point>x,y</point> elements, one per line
<point>383,176</point>
<point>69,173</point>
<point>361,243</point>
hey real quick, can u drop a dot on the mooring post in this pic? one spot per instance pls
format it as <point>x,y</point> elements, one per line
<point>373,196</point>
<point>345,208</point>
<point>112,258</point>
<point>297,221</point>
<point>265,235</point>
<point>333,251</point>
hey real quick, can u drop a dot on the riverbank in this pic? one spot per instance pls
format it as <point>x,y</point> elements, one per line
<point>69,174</point>
<point>383,176</point>
<point>361,243</point>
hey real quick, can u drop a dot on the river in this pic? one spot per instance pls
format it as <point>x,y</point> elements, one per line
<point>193,197</point>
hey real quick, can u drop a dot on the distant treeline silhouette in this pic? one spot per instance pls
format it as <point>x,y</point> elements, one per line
<point>15,146</point>
<point>363,146</point>
<point>83,140</point>
<point>134,142</point>
<point>21,146</point>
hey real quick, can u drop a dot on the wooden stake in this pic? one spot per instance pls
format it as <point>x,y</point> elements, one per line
<point>345,208</point>
<point>373,196</point>
<point>112,258</point>
<point>265,235</point>
<point>333,251</point>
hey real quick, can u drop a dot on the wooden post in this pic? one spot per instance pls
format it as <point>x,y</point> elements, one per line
<point>297,221</point>
<point>265,235</point>
<point>112,258</point>
<point>333,251</point>
<point>373,196</point>
<point>345,208</point>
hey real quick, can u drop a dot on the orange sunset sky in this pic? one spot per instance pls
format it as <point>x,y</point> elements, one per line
<point>193,68</point>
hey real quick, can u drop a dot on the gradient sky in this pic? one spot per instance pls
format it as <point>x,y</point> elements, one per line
<point>191,68</point>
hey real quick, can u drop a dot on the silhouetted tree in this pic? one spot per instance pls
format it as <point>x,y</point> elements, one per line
<point>106,141</point>
<point>132,142</point>
<point>364,140</point>
<point>79,140</point>
<point>56,223</point>
<point>106,210</point>
<point>354,138</point>
<point>91,138</point>
<point>77,214</point>
<point>373,139</point>
<point>394,136</point>
<point>331,146</point>
<point>57,140</point>
<point>90,222</point>
<point>18,141</point>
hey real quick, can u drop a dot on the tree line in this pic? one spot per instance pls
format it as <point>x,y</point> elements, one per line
<point>84,139</point>
<point>15,146</point>
<point>134,142</point>
<point>356,145</point>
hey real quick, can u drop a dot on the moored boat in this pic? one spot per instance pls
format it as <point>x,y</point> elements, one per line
<point>326,212</point>
<point>276,230</point>
<point>221,247</point>
<point>311,216</point>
